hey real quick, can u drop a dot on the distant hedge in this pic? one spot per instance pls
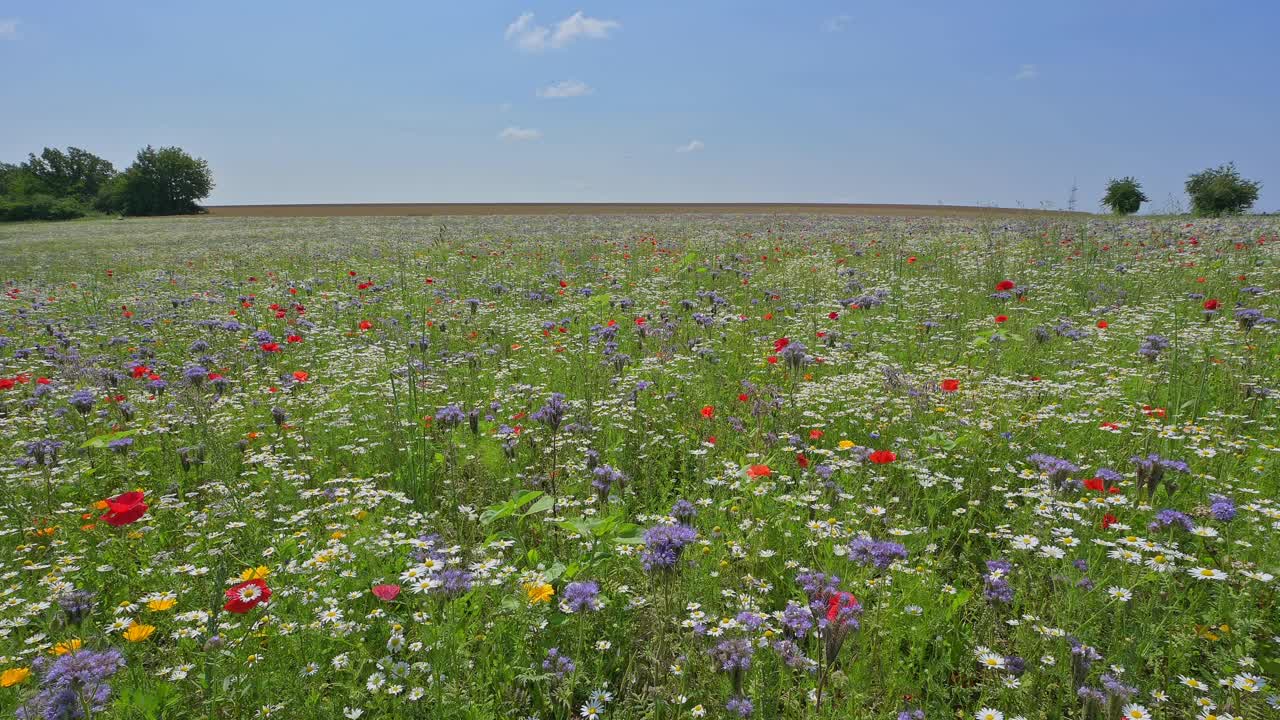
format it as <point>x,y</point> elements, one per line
<point>40,207</point>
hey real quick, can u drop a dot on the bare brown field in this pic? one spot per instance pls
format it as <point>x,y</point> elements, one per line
<point>411,209</point>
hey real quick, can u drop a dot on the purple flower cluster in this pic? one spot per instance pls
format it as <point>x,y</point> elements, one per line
<point>76,604</point>
<point>734,657</point>
<point>82,401</point>
<point>996,588</point>
<point>450,416</point>
<point>552,413</point>
<point>878,553</point>
<point>558,664</point>
<point>797,620</point>
<point>1152,346</point>
<point>603,479</point>
<point>684,511</point>
<point>1151,470</point>
<point>740,706</point>
<point>1056,468</point>
<point>663,545</point>
<point>1167,518</point>
<point>454,582</point>
<point>581,597</point>
<point>1222,508</point>
<point>77,681</point>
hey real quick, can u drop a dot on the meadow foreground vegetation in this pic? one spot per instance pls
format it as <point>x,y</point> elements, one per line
<point>718,466</point>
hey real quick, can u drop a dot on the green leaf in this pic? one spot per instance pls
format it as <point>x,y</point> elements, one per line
<point>958,601</point>
<point>101,441</point>
<point>545,503</point>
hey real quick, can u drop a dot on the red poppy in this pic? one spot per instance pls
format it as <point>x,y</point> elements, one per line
<point>773,359</point>
<point>1102,325</point>
<point>1001,318</point>
<point>815,434</point>
<point>293,339</point>
<point>270,347</point>
<point>1005,285</point>
<point>365,324</point>
<point>781,343</point>
<point>708,411</point>
<point>833,315</point>
<point>743,397</point>
<point>1094,484</point>
<point>386,593</point>
<point>301,375</point>
<point>125,509</point>
<point>911,259</point>
<point>840,601</point>
<point>7,383</point>
<point>246,596</point>
<point>759,471</point>
<point>1108,520</point>
<point>950,385</point>
<point>882,457</point>
<point>1211,304</point>
<point>801,460</point>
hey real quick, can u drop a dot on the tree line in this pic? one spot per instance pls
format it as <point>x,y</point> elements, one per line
<point>1214,192</point>
<point>61,185</point>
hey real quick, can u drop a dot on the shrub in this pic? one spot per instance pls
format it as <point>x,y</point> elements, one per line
<point>40,207</point>
<point>1124,196</point>
<point>1221,191</point>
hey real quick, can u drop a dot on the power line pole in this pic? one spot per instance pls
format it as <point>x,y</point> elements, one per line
<point>1071,202</point>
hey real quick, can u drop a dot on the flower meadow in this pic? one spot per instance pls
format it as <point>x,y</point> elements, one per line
<point>640,467</point>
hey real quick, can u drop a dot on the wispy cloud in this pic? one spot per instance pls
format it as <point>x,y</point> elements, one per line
<point>513,133</point>
<point>531,37</point>
<point>837,23</point>
<point>565,89</point>
<point>8,29</point>
<point>691,146</point>
<point>1027,72</point>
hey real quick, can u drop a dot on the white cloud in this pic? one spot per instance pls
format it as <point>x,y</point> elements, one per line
<point>837,23</point>
<point>514,133</point>
<point>692,146</point>
<point>531,37</point>
<point>1027,72</point>
<point>8,29</point>
<point>565,89</point>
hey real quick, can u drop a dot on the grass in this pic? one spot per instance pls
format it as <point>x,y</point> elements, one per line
<point>325,405</point>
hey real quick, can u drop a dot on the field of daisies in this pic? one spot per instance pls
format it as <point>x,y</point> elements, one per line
<point>640,467</point>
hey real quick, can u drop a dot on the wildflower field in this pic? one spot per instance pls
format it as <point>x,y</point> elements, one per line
<point>640,467</point>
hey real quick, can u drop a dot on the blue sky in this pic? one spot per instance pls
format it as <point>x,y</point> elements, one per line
<point>715,100</point>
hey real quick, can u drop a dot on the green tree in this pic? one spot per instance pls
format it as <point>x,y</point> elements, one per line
<point>1218,191</point>
<point>8,176</point>
<point>75,173</point>
<point>1124,196</point>
<point>167,181</point>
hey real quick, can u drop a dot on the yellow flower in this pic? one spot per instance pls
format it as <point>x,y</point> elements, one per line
<point>13,676</point>
<point>538,592</point>
<point>138,632</point>
<point>71,645</point>
<point>162,604</point>
<point>846,444</point>
<point>259,573</point>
